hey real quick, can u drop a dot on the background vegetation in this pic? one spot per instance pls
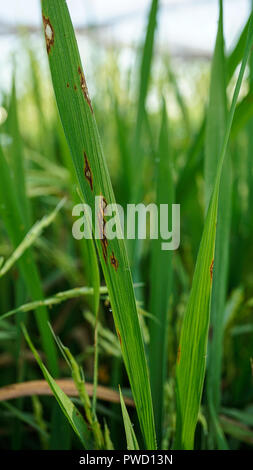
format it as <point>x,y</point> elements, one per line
<point>59,296</point>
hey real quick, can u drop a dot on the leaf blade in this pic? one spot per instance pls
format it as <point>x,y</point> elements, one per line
<point>82,135</point>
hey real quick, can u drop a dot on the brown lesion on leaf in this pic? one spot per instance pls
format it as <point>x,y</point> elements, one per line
<point>68,85</point>
<point>84,87</point>
<point>49,33</point>
<point>87,171</point>
<point>104,242</point>
<point>211,270</point>
<point>75,87</point>
<point>118,334</point>
<point>101,224</point>
<point>178,354</point>
<point>210,333</point>
<point>114,261</point>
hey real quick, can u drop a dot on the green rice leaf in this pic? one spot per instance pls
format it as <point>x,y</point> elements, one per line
<point>16,157</point>
<point>146,61</point>
<point>132,443</point>
<point>68,408</point>
<point>25,417</point>
<point>215,131</point>
<point>160,281</point>
<point>13,221</point>
<point>191,359</point>
<point>81,131</point>
<point>30,238</point>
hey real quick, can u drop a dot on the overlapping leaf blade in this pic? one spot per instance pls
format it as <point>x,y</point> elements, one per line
<point>215,131</point>
<point>160,281</point>
<point>71,412</point>
<point>191,361</point>
<point>14,223</point>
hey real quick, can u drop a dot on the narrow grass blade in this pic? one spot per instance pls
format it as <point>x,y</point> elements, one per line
<point>244,416</point>
<point>132,443</point>
<point>30,238</point>
<point>191,360</point>
<point>250,147</point>
<point>124,151</point>
<point>160,282</point>
<point>144,78</point>
<point>87,246</point>
<point>17,156</point>
<point>79,381</point>
<point>25,417</point>
<point>194,154</point>
<point>236,429</point>
<point>68,408</point>
<point>12,217</point>
<point>180,99</point>
<point>61,434</point>
<point>243,114</point>
<point>215,131</point>
<point>54,300</point>
<point>108,442</point>
<point>44,134</point>
<point>137,163</point>
<point>81,131</point>
<point>236,55</point>
<point>146,61</point>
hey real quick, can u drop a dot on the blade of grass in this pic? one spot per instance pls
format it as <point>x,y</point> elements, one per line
<point>250,146</point>
<point>54,300</point>
<point>132,443</point>
<point>215,131</point>
<point>180,99</point>
<point>30,238</point>
<point>10,212</point>
<point>190,370</point>
<point>236,55</point>
<point>16,157</point>
<point>124,151</point>
<point>79,381</point>
<point>61,430</point>
<point>194,154</point>
<point>145,69</point>
<point>25,417</point>
<point>68,408</point>
<point>236,429</point>
<point>82,135</point>
<point>87,246</point>
<point>108,441</point>
<point>137,153</point>
<point>45,137</point>
<point>17,164</point>
<point>244,416</point>
<point>92,271</point>
<point>160,282</point>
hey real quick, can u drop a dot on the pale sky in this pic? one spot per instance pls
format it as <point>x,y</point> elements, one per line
<point>190,24</point>
<point>182,22</point>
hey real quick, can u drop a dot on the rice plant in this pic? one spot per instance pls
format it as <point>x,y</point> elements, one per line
<point>133,346</point>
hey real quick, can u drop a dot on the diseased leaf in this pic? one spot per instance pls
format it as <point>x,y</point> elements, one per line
<point>81,131</point>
